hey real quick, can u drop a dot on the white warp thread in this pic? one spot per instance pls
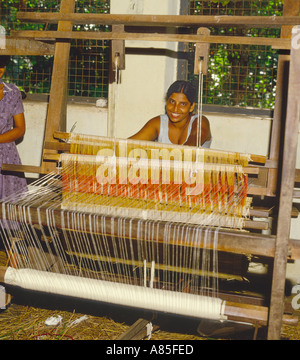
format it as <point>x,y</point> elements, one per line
<point>116,293</point>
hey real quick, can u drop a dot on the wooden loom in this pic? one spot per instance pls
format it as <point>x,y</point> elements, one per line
<point>234,242</point>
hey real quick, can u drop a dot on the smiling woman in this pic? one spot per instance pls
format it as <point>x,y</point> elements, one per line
<point>178,125</point>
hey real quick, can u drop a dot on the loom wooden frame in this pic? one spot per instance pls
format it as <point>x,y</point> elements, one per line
<point>278,245</point>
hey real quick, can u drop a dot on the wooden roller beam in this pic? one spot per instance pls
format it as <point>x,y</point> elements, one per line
<point>233,311</point>
<point>65,147</point>
<point>261,159</point>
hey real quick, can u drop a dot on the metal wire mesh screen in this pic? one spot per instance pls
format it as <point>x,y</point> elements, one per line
<point>239,75</point>
<point>89,59</point>
<point>242,75</point>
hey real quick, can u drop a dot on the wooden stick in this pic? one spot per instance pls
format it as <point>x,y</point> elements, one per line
<point>30,47</point>
<point>160,20</point>
<point>158,266</point>
<point>23,168</point>
<point>98,35</point>
<point>137,331</point>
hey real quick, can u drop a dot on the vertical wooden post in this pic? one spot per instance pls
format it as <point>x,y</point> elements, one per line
<point>117,49</point>
<point>291,8</point>
<point>287,188</point>
<point>202,51</point>
<point>56,115</point>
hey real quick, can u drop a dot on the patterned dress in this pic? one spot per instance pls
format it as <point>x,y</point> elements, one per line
<point>10,105</point>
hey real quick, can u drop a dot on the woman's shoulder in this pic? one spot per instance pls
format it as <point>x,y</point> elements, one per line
<point>149,131</point>
<point>11,86</point>
<point>155,121</point>
<point>156,118</point>
<point>204,118</point>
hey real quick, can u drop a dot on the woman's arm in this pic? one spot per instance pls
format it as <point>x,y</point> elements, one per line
<point>205,132</point>
<point>17,132</point>
<point>149,131</point>
<point>1,91</point>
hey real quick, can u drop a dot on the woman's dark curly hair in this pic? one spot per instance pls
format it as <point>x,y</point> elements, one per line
<point>184,87</point>
<point>4,60</point>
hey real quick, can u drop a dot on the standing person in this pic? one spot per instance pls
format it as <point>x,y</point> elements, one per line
<point>178,125</point>
<point>12,128</point>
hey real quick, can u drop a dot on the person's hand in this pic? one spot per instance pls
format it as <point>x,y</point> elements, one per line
<point>1,91</point>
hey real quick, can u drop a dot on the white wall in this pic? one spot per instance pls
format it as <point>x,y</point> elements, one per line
<point>245,134</point>
<point>89,119</point>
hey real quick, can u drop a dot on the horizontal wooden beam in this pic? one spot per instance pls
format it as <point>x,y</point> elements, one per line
<point>278,43</point>
<point>160,20</point>
<point>23,168</point>
<point>53,145</point>
<point>233,241</point>
<point>254,314</point>
<point>30,47</point>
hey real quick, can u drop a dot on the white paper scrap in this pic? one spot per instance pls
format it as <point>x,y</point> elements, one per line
<point>77,321</point>
<point>53,320</point>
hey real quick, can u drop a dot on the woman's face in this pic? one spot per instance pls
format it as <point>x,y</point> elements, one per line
<point>178,107</point>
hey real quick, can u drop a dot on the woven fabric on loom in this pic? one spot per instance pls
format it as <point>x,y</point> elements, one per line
<point>154,181</point>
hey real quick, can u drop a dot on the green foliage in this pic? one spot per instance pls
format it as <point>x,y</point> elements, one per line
<point>33,73</point>
<point>240,75</point>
